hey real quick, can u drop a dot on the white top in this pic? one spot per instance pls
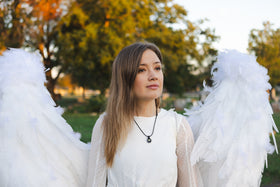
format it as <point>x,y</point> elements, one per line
<point>163,162</point>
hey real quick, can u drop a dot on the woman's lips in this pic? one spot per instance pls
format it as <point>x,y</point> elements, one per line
<point>153,86</point>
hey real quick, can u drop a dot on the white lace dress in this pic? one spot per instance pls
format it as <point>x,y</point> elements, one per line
<point>163,162</point>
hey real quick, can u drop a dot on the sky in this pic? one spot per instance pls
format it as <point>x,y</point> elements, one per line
<point>233,19</point>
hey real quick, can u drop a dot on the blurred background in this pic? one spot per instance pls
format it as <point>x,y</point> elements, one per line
<point>79,39</point>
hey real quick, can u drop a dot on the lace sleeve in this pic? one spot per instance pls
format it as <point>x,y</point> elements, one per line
<point>97,163</point>
<point>188,175</point>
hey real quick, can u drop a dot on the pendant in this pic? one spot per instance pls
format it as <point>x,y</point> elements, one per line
<point>149,140</point>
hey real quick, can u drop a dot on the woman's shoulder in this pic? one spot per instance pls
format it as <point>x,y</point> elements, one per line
<point>99,121</point>
<point>101,117</point>
<point>172,114</point>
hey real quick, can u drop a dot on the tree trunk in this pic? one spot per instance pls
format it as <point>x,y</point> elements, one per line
<point>84,92</point>
<point>50,85</point>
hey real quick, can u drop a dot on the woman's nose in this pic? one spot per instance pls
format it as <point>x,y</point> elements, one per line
<point>152,75</point>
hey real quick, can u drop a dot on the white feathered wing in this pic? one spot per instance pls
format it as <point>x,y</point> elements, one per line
<point>37,146</point>
<point>232,126</point>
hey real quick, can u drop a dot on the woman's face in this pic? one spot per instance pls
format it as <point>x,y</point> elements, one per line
<point>148,83</point>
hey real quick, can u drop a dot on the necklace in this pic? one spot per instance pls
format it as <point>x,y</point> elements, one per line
<point>149,140</point>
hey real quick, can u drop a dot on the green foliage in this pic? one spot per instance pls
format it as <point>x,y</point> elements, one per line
<point>183,79</point>
<point>93,32</point>
<point>66,102</point>
<point>168,103</point>
<point>265,44</point>
<point>13,19</point>
<point>32,24</point>
<point>79,108</point>
<point>80,52</point>
<point>83,39</point>
<point>96,104</point>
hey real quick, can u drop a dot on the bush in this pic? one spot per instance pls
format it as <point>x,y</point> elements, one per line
<point>66,102</point>
<point>96,104</point>
<point>168,103</point>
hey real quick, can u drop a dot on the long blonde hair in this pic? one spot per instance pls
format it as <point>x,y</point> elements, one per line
<point>121,104</point>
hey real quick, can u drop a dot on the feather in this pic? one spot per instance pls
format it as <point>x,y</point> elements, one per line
<point>38,147</point>
<point>233,125</point>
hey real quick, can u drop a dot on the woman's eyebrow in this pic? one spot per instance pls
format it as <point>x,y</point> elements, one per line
<point>157,62</point>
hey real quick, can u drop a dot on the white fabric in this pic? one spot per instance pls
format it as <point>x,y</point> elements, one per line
<point>163,162</point>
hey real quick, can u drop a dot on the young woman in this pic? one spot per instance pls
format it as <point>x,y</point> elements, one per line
<point>135,142</point>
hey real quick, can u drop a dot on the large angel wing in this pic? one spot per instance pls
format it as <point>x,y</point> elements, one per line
<point>37,146</point>
<point>232,126</point>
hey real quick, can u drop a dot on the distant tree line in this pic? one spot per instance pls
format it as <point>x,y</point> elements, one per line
<point>81,38</point>
<point>265,44</point>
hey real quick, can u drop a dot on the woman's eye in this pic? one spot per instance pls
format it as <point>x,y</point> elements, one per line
<point>141,70</point>
<point>158,68</point>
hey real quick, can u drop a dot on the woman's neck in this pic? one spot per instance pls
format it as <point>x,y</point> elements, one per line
<point>146,108</point>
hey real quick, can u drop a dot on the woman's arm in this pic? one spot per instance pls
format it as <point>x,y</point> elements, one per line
<point>188,175</point>
<point>97,164</point>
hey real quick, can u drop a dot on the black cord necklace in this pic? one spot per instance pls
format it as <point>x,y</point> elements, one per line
<point>149,140</point>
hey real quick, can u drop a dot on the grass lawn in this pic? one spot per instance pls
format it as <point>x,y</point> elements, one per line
<point>84,123</point>
<point>272,173</point>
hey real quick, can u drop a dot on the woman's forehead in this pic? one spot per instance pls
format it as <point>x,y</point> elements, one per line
<point>149,57</point>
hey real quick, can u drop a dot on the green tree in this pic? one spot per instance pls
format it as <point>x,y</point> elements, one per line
<point>79,50</point>
<point>42,35</point>
<point>32,24</point>
<point>93,32</point>
<point>13,18</point>
<point>265,44</point>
